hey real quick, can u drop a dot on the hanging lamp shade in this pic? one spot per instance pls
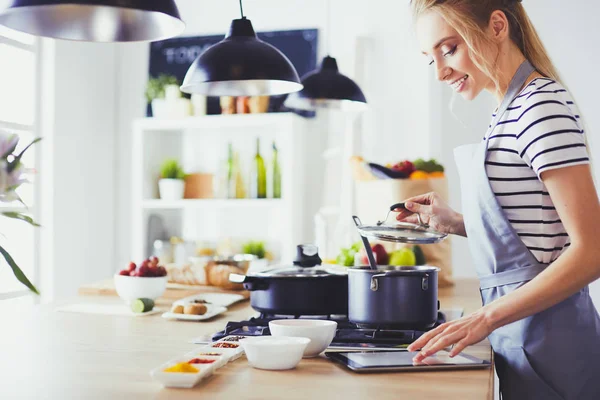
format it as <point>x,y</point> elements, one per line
<point>241,65</point>
<point>327,88</point>
<point>94,20</point>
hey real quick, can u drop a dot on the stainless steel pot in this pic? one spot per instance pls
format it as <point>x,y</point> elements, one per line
<point>398,296</point>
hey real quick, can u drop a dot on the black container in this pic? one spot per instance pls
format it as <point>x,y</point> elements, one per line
<point>303,289</point>
<point>400,297</point>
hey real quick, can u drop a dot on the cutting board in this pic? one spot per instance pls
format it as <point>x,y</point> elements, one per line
<point>174,290</point>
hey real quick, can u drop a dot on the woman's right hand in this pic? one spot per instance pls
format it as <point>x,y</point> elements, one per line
<point>433,211</point>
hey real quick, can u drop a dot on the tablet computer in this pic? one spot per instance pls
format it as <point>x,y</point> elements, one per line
<point>375,361</point>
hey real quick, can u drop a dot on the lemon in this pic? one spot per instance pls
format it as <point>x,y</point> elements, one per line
<point>403,256</point>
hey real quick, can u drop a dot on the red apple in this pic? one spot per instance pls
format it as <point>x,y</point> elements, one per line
<point>379,252</point>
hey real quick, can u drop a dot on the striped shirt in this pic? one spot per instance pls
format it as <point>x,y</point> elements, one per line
<point>540,131</point>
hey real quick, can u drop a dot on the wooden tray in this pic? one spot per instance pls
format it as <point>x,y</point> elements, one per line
<point>174,290</point>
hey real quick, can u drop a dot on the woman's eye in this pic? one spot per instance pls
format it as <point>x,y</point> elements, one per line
<point>451,51</point>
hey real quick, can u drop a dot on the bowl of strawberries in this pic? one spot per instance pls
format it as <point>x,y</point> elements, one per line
<point>147,280</point>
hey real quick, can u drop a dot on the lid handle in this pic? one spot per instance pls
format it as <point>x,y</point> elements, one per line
<point>307,255</point>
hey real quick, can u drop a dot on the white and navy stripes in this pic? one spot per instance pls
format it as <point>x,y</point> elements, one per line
<point>539,131</point>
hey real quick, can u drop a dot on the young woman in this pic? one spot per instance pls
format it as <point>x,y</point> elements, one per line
<point>531,212</point>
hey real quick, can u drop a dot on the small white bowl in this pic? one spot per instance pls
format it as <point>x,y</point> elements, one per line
<point>130,288</point>
<point>320,332</point>
<point>274,353</point>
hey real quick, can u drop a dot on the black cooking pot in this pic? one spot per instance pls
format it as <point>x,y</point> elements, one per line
<point>402,297</point>
<point>303,289</point>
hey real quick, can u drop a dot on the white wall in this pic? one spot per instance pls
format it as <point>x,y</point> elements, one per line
<point>78,176</point>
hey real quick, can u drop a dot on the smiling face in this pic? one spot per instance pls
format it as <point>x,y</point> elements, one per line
<point>448,54</point>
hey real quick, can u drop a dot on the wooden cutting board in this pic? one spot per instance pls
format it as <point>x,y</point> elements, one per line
<point>174,291</point>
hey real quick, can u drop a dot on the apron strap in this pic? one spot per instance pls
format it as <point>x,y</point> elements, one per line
<point>509,277</point>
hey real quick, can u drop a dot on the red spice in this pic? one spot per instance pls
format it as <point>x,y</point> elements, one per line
<point>226,345</point>
<point>211,354</point>
<point>200,361</point>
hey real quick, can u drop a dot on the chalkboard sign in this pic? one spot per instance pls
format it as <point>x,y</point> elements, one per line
<point>174,57</point>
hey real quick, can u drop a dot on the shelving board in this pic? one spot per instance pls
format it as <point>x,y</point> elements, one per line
<point>157,204</point>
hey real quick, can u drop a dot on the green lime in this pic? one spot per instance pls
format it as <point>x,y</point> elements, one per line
<point>403,257</point>
<point>142,305</point>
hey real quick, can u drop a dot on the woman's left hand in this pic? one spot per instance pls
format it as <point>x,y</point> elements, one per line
<point>461,333</point>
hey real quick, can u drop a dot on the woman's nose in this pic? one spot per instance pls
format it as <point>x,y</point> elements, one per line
<point>442,72</point>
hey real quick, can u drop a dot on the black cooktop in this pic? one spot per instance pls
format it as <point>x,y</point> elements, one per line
<point>348,334</point>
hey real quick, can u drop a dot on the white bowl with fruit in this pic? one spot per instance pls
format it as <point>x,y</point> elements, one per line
<point>146,281</point>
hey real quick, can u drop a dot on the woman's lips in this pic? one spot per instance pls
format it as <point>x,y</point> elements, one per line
<point>459,83</point>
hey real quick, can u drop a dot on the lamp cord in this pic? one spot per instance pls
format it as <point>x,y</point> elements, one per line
<point>241,9</point>
<point>328,22</point>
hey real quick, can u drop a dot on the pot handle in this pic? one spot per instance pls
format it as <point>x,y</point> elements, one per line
<point>375,282</point>
<point>250,283</point>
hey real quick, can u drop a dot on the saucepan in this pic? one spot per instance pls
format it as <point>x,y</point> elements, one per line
<point>398,296</point>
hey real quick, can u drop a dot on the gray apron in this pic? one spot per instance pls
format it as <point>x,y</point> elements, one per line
<point>554,354</point>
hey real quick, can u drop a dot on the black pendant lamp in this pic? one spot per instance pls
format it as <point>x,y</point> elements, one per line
<point>326,88</point>
<point>241,65</point>
<point>94,20</point>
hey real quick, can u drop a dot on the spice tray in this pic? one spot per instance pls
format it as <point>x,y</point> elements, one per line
<point>188,370</point>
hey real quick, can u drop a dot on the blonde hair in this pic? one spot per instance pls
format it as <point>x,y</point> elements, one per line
<point>470,19</point>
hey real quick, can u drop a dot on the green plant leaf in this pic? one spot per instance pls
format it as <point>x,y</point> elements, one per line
<point>171,169</point>
<point>17,271</point>
<point>21,217</point>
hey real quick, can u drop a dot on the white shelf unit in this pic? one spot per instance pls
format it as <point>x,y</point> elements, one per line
<point>200,144</point>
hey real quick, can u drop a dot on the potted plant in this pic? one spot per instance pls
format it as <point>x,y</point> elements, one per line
<point>171,184</point>
<point>164,95</point>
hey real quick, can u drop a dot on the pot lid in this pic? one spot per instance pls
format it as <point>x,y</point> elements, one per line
<point>306,265</point>
<point>405,269</point>
<point>402,232</point>
<point>298,272</point>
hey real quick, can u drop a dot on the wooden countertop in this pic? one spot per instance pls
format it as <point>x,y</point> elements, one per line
<point>62,355</point>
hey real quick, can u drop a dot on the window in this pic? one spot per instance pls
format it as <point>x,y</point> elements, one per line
<point>19,114</point>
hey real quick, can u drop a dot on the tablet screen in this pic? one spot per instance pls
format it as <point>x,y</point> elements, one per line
<point>404,359</point>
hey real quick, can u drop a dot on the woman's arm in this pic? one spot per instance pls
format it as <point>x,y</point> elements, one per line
<point>574,196</point>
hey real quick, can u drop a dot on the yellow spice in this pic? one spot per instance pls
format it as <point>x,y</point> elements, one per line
<point>182,367</point>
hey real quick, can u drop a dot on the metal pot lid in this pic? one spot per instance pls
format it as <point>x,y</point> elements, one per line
<point>299,272</point>
<point>402,232</point>
<point>417,269</point>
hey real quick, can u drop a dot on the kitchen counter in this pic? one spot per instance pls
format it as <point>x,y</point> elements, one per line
<point>63,355</point>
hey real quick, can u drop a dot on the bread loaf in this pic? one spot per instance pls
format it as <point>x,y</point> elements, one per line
<point>218,275</point>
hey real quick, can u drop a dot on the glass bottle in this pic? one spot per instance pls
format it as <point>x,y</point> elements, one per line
<point>258,178</point>
<point>276,174</point>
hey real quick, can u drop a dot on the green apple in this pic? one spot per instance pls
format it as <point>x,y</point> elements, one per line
<point>403,256</point>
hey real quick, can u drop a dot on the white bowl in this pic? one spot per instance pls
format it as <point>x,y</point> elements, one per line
<point>274,353</point>
<point>130,288</point>
<point>320,332</point>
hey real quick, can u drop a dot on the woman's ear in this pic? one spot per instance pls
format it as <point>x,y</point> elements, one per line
<point>499,26</point>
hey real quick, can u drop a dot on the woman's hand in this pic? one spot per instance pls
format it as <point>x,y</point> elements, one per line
<point>433,211</point>
<point>461,333</point>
